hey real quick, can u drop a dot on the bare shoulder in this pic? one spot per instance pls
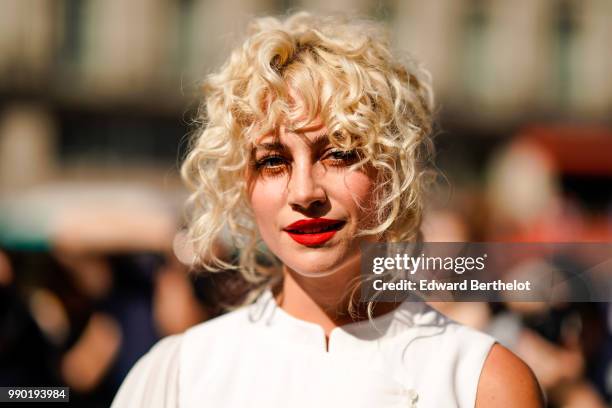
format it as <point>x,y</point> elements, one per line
<point>506,381</point>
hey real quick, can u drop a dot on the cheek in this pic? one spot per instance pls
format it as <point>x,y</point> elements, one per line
<point>266,201</point>
<point>357,193</point>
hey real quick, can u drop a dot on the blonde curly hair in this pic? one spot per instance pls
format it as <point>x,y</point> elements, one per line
<point>346,74</point>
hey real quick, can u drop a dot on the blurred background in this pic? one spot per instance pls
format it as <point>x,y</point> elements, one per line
<point>96,101</point>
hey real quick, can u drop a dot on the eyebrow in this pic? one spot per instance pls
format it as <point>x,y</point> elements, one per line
<point>319,140</point>
<point>278,146</point>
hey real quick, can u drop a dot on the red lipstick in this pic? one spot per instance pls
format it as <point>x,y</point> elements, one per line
<point>313,231</point>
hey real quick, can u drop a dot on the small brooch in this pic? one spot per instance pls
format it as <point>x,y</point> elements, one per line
<point>412,396</point>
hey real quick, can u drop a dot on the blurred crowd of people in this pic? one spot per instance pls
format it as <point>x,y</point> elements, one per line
<point>83,318</point>
<point>548,184</point>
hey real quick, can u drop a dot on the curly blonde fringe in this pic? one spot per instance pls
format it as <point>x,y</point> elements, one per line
<point>345,73</point>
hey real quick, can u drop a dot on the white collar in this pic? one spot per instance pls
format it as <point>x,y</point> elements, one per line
<point>410,317</point>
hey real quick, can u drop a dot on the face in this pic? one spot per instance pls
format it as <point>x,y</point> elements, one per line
<point>308,205</point>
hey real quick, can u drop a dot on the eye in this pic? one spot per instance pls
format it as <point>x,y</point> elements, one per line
<point>339,157</point>
<point>272,164</point>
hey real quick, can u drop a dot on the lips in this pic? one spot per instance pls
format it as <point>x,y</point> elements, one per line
<point>314,231</point>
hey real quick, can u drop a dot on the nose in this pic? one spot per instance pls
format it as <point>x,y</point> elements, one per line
<point>304,190</point>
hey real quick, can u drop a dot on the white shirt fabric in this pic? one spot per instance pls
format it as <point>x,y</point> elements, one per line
<point>260,356</point>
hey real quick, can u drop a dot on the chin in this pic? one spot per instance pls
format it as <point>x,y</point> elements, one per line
<point>316,262</point>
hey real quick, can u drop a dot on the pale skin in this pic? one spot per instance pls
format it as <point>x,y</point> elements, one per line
<point>298,174</point>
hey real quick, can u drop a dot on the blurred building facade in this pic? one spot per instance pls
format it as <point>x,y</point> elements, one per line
<point>94,86</point>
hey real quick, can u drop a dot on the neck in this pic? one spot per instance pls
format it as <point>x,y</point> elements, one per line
<point>324,300</point>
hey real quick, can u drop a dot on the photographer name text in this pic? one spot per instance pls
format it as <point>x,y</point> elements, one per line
<point>464,285</point>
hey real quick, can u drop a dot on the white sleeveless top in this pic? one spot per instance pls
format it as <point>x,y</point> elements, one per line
<point>260,356</point>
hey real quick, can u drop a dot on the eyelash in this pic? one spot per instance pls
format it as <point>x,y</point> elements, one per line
<point>346,156</point>
<point>266,166</point>
<point>269,164</point>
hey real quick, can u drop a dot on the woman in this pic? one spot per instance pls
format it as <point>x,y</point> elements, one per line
<point>315,140</point>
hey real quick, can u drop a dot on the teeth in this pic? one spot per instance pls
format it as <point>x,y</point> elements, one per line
<point>314,231</point>
<point>317,230</point>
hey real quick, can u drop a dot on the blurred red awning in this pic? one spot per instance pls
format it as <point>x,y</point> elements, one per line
<point>574,149</point>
